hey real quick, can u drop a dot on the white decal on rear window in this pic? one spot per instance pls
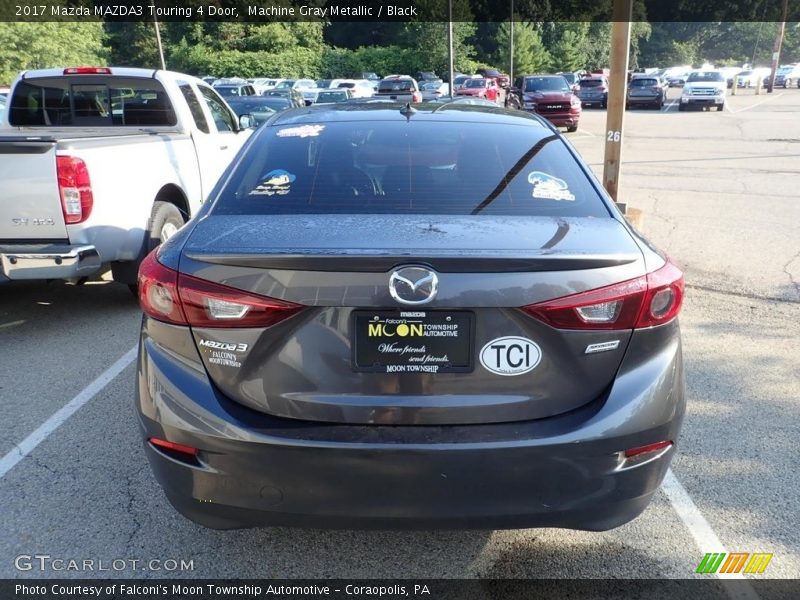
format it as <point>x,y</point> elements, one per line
<point>301,131</point>
<point>548,187</point>
<point>276,182</point>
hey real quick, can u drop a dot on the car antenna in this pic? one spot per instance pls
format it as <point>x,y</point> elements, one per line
<point>407,111</point>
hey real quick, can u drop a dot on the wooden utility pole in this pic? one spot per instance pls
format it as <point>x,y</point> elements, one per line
<point>776,48</point>
<point>615,116</point>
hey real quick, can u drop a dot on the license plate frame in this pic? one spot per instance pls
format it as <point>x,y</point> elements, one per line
<point>366,353</point>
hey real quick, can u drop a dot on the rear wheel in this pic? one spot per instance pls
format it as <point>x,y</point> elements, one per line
<point>572,129</point>
<point>165,220</point>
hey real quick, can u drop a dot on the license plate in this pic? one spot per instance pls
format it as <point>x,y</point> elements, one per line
<point>413,341</point>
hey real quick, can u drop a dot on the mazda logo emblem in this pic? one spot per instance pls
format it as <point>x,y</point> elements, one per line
<point>413,285</point>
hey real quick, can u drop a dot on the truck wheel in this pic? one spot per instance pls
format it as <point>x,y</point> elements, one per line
<point>165,220</point>
<point>572,129</point>
<point>681,107</point>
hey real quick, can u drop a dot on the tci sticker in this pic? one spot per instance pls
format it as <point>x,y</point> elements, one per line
<point>510,355</point>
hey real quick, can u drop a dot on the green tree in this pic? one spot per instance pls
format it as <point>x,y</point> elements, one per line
<point>49,44</point>
<point>568,46</point>
<point>530,54</point>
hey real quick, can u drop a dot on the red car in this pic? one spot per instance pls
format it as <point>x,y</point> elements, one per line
<point>551,97</point>
<point>500,79</point>
<point>480,87</point>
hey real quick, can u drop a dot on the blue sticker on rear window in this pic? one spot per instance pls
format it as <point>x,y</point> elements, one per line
<point>276,182</point>
<point>548,187</point>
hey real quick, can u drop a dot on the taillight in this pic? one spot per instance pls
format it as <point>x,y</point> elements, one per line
<point>652,299</point>
<point>75,189</point>
<point>87,71</point>
<point>173,297</point>
<point>416,97</point>
<point>158,291</point>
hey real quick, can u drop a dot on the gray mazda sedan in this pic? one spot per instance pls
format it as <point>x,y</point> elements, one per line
<point>396,316</point>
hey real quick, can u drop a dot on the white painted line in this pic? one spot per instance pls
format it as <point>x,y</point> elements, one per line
<point>704,537</point>
<point>26,446</point>
<point>758,103</point>
<point>670,105</point>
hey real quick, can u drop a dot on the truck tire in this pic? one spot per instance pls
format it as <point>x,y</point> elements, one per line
<point>572,128</point>
<point>165,220</point>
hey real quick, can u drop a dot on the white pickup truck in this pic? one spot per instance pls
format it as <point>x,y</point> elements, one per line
<point>99,165</point>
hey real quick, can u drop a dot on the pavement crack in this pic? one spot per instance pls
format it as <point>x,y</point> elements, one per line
<point>130,510</point>
<point>673,225</point>
<point>750,296</point>
<point>789,274</point>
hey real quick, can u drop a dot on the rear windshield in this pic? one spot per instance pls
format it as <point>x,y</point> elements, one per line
<point>475,83</point>
<point>380,167</point>
<point>588,83</point>
<point>396,85</point>
<point>641,82</point>
<point>90,101</point>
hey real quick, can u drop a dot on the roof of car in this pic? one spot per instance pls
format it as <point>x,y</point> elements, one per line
<point>398,111</point>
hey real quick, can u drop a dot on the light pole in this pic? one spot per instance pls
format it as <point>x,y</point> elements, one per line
<point>511,49</point>
<point>158,36</point>
<point>450,44</point>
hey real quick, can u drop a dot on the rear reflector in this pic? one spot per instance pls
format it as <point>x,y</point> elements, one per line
<point>75,189</point>
<point>87,71</point>
<point>652,299</point>
<point>650,448</point>
<point>173,297</point>
<point>179,448</point>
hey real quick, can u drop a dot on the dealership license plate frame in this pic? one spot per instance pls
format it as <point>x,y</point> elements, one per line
<point>358,338</point>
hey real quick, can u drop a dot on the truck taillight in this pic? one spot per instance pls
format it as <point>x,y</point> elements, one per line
<point>416,97</point>
<point>87,71</point>
<point>172,297</point>
<point>75,189</point>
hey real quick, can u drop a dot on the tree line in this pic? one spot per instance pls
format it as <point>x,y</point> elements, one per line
<point>316,49</point>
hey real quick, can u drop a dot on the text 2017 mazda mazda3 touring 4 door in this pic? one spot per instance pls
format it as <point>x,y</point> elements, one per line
<point>388,316</point>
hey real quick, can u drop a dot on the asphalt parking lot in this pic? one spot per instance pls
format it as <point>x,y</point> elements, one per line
<point>718,192</point>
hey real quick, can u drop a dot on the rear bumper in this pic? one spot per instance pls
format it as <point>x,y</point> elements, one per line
<point>564,471</point>
<point>643,100</point>
<point>48,261</point>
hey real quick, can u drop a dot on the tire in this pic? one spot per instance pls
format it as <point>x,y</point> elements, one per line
<point>721,107</point>
<point>604,104</point>
<point>165,220</point>
<point>572,129</point>
<point>681,107</point>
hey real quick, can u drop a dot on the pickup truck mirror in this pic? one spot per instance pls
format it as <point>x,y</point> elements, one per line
<point>247,121</point>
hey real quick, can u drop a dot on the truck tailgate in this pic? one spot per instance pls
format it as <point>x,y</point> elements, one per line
<point>30,206</point>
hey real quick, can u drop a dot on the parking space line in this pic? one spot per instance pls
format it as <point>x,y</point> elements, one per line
<point>704,537</point>
<point>757,103</point>
<point>26,446</point>
<point>668,106</point>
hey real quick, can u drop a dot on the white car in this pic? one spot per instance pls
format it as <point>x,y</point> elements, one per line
<point>704,89</point>
<point>262,84</point>
<point>360,88</point>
